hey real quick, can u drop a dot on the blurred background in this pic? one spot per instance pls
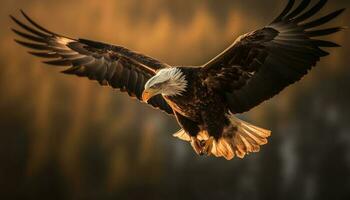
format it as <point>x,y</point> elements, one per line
<point>62,137</point>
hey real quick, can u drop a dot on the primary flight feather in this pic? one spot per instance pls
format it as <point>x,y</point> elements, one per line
<point>256,67</point>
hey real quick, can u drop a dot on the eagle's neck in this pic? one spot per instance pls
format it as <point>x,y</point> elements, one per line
<point>176,83</point>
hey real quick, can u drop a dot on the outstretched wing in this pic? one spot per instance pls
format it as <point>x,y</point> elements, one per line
<point>108,64</point>
<point>270,59</point>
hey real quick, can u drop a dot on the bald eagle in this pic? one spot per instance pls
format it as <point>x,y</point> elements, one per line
<point>203,99</point>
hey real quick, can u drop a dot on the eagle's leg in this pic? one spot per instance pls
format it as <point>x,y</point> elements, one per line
<point>192,128</point>
<point>207,145</point>
<point>214,126</point>
<point>196,145</point>
<point>202,147</point>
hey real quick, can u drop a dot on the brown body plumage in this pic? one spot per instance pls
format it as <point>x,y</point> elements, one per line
<point>203,103</point>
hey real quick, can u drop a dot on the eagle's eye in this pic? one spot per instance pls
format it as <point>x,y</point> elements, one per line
<point>158,85</point>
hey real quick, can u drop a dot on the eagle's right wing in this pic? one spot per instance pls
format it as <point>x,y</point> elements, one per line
<point>108,64</point>
<point>262,63</point>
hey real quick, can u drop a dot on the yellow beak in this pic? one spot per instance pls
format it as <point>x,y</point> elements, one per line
<point>148,93</point>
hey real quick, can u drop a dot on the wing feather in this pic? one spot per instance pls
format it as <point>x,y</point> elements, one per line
<point>311,12</point>
<point>304,4</point>
<point>44,54</point>
<point>286,10</point>
<point>322,20</point>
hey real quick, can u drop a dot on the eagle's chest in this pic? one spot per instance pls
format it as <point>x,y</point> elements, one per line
<point>190,109</point>
<point>192,103</point>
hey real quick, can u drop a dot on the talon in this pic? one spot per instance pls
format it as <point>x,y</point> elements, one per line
<point>202,147</point>
<point>195,143</point>
<point>208,145</point>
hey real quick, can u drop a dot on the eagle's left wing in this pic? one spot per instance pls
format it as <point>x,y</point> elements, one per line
<point>108,64</point>
<point>262,63</point>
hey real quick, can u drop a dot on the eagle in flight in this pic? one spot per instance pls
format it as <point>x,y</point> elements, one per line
<point>203,99</point>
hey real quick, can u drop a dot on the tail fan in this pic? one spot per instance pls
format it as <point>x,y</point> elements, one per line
<point>238,139</point>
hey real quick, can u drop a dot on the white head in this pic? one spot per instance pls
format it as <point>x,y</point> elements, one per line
<point>168,82</point>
